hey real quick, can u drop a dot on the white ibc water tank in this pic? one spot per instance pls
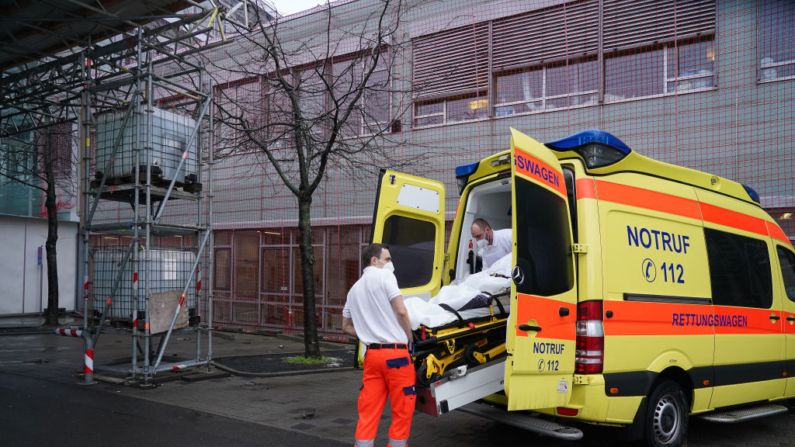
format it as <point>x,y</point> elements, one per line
<point>170,270</point>
<point>170,135</point>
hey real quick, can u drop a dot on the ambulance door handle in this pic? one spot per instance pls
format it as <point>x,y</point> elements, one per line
<point>528,328</point>
<point>791,318</point>
<point>563,311</point>
<point>774,318</point>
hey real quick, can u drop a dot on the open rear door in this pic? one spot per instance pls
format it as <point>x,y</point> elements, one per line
<point>409,217</point>
<point>542,327</point>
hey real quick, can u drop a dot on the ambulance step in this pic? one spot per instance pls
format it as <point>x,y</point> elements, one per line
<point>744,414</point>
<point>524,421</point>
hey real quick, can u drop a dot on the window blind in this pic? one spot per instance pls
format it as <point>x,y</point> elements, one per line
<point>452,61</point>
<point>629,23</point>
<point>559,32</point>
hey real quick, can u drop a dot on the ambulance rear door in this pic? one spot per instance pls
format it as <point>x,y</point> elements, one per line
<point>542,327</point>
<point>409,217</point>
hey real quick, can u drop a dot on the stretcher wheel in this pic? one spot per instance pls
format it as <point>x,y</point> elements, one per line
<point>422,377</point>
<point>469,355</point>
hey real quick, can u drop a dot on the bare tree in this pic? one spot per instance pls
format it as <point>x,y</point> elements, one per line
<point>313,103</point>
<point>42,160</point>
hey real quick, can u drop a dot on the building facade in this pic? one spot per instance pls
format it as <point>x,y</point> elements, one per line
<point>23,220</point>
<point>707,84</point>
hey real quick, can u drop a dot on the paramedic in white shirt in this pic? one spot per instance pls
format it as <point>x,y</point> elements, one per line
<point>374,313</point>
<point>492,245</point>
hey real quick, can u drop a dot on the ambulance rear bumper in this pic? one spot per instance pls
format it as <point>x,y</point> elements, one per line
<point>593,404</point>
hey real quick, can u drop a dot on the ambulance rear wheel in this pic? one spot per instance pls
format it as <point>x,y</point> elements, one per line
<point>666,416</point>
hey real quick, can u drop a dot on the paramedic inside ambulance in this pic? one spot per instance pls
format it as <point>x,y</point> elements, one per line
<point>492,245</point>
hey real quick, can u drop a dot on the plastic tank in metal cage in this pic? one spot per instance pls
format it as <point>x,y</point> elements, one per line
<point>170,270</point>
<point>170,135</point>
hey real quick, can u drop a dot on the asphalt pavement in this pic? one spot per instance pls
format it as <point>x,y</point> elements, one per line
<point>43,403</point>
<point>38,412</point>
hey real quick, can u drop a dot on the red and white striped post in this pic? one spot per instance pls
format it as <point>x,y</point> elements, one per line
<point>135,294</point>
<point>88,364</point>
<point>88,356</point>
<point>69,332</point>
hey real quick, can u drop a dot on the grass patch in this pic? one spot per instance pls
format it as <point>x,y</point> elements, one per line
<point>301,360</point>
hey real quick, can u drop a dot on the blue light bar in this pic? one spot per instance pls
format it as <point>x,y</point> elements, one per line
<point>588,136</point>
<point>464,170</point>
<point>754,195</point>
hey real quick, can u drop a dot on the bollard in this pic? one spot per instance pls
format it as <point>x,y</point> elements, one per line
<point>88,354</point>
<point>88,360</point>
<point>69,332</point>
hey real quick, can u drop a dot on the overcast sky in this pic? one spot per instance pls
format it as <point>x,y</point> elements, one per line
<point>287,7</point>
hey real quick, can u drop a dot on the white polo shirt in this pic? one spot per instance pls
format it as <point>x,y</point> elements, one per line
<point>503,244</point>
<point>369,306</point>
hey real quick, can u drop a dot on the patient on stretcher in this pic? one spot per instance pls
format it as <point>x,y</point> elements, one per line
<point>470,298</point>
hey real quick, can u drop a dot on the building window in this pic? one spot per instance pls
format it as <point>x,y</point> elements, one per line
<point>776,39</point>
<point>454,110</point>
<point>672,69</point>
<point>376,96</point>
<point>312,101</point>
<point>547,88</point>
<point>238,105</point>
<point>222,277</point>
<point>690,67</point>
<point>450,75</point>
<point>371,113</point>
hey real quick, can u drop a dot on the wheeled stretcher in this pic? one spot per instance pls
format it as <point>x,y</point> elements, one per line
<point>476,336</point>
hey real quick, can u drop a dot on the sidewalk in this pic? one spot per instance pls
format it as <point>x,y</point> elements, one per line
<point>32,323</point>
<point>322,405</point>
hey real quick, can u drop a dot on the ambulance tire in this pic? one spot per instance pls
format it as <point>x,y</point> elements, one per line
<point>666,416</point>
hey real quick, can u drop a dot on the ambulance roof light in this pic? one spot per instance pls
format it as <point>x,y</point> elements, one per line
<point>589,136</point>
<point>464,170</point>
<point>754,195</point>
<point>462,174</point>
<point>597,147</point>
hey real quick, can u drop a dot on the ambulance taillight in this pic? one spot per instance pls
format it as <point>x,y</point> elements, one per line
<point>590,353</point>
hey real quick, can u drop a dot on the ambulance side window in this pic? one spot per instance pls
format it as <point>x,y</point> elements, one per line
<point>411,244</point>
<point>787,260</point>
<point>543,243</point>
<point>739,270</point>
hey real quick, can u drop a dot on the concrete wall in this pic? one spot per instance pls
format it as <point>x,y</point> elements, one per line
<point>23,283</point>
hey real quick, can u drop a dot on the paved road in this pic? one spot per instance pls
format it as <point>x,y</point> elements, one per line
<point>281,411</point>
<point>36,412</point>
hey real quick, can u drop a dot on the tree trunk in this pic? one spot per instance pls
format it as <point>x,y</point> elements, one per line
<point>311,346</point>
<point>51,319</point>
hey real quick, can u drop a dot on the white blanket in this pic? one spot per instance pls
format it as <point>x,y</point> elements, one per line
<point>430,314</point>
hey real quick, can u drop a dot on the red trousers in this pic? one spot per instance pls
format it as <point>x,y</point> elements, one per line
<point>387,372</point>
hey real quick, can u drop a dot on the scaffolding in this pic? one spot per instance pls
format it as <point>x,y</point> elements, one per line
<point>143,154</point>
<point>143,157</point>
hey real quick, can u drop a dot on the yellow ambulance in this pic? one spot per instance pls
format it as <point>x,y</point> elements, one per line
<point>641,293</point>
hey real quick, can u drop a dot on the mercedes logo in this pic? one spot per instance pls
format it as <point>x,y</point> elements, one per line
<point>518,275</point>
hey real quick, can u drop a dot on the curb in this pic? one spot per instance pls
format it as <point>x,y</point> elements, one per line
<point>322,344</point>
<point>281,374</point>
<point>24,331</point>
